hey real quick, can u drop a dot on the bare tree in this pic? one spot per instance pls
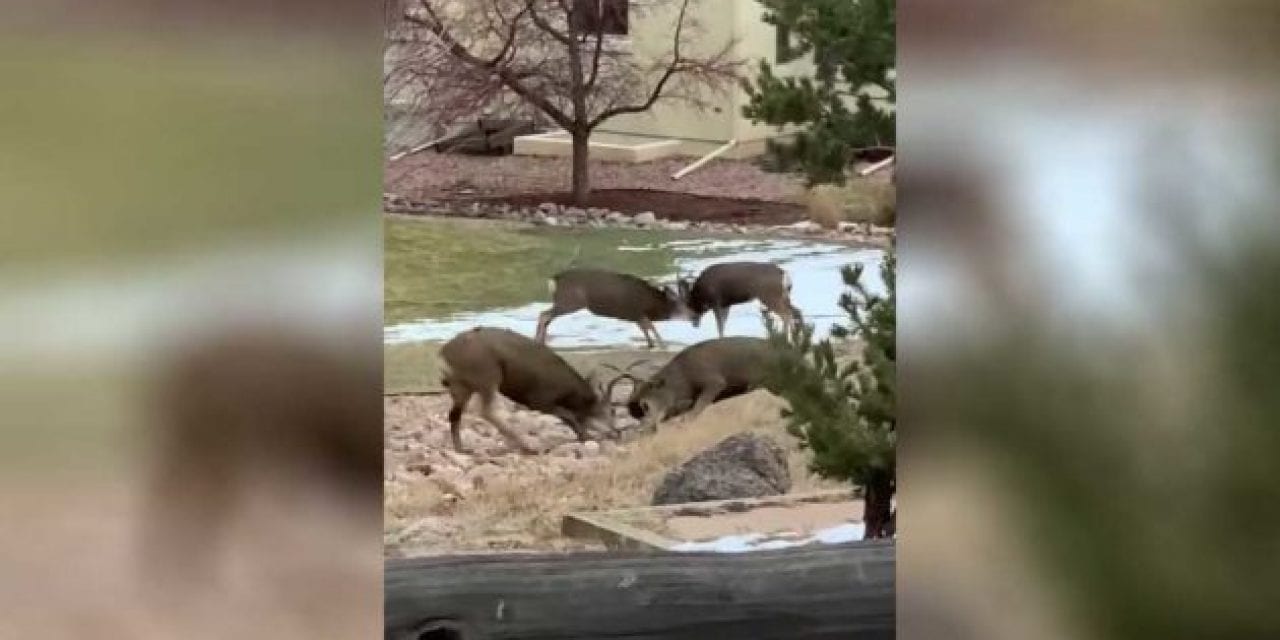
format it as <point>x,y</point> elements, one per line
<point>569,59</point>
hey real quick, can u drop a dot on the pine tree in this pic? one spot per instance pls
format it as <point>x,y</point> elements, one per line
<point>854,48</point>
<point>845,413</point>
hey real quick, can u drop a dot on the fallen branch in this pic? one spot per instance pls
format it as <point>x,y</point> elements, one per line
<point>418,149</point>
<point>877,166</point>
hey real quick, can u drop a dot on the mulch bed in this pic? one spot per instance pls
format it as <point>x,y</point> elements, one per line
<point>670,205</point>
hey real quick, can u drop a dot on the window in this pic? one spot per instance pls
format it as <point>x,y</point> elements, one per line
<point>785,52</point>
<point>601,16</point>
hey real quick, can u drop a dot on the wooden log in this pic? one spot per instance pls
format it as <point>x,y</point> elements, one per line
<point>841,591</point>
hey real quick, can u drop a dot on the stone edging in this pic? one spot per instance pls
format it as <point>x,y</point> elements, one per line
<point>554,215</point>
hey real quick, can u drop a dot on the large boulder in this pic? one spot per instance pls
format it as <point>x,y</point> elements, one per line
<point>745,465</point>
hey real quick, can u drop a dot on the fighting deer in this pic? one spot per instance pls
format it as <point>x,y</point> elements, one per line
<point>698,376</point>
<point>614,295</point>
<point>241,411</point>
<point>486,361</point>
<point>721,286</point>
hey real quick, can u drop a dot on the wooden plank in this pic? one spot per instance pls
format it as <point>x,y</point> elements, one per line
<point>825,591</point>
<point>614,534</point>
<point>712,507</point>
<point>610,526</point>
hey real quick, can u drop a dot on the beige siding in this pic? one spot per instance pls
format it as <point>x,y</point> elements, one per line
<point>651,37</point>
<point>705,130</point>
<point>758,41</point>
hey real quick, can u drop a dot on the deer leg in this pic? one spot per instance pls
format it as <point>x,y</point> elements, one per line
<point>544,319</point>
<point>785,312</point>
<point>460,398</point>
<point>645,332</point>
<point>722,314</point>
<point>709,394</point>
<point>488,410</point>
<point>647,327</point>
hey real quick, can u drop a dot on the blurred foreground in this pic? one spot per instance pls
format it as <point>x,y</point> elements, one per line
<point>1089,242</point>
<point>189,326</point>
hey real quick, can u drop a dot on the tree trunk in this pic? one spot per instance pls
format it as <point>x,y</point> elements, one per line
<point>877,507</point>
<point>581,169</point>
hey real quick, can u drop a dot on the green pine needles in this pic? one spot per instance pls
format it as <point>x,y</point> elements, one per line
<point>846,105</point>
<point>844,408</point>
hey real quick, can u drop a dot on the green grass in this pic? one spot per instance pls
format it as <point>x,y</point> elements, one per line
<point>437,267</point>
<point>411,367</point>
<point>113,149</point>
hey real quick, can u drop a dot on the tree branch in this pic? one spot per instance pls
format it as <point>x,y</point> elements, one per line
<point>510,78</point>
<point>656,93</point>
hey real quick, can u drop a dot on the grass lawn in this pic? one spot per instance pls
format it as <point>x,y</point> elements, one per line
<point>436,267</point>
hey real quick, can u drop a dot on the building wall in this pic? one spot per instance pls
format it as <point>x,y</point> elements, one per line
<point>651,37</point>
<point>699,130</point>
<point>759,42</point>
<point>704,131</point>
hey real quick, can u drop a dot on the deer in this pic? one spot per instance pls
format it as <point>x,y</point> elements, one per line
<point>487,361</point>
<point>698,376</point>
<point>724,285</point>
<point>242,410</point>
<point>614,295</point>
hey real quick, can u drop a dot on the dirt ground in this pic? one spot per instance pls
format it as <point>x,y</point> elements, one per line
<point>439,501</point>
<point>723,190</point>
<point>439,175</point>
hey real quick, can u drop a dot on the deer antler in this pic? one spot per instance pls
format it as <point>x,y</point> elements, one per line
<point>627,368</point>
<point>608,388</point>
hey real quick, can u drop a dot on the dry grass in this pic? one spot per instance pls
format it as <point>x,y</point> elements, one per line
<point>871,200</point>
<point>526,513</point>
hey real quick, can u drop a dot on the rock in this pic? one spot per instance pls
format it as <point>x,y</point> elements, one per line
<point>676,225</point>
<point>551,221</point>
<point>744,465</point>
<point>484,475</point>
<point>448,481</point>
<point>618,218</point>
<point>457,459</point>
<point>647,217</point>
<point>548,207</point>
<point>568,450</point>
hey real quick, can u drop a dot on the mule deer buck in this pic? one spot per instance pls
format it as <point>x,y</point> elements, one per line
<point>724,285</point>
<point>244,410</point>
<point>698,376</point>
<point>614,295</point>
<point>488,361</point>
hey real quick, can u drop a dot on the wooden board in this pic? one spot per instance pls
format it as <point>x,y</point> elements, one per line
<point>841,591</point>
<point>613,527</point>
